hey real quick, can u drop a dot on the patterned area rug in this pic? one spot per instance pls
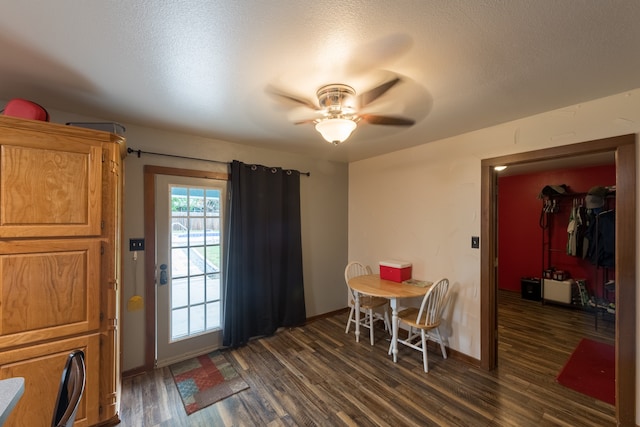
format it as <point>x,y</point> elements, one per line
<point>591,370</point>
<point>205,380</point>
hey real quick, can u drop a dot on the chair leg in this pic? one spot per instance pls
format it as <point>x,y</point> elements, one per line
<point>412,334</point>
<point>371,325</point>
<point>350,319</point>
<point>391,340</point>
<point>425,361</point>
<point>387,323</point>
<point>442,348</point>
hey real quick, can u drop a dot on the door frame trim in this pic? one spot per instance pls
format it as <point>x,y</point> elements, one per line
<point>625,270</point>
<point>150,172</point>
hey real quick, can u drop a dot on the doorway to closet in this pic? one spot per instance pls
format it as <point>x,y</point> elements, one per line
<point>624,149</point>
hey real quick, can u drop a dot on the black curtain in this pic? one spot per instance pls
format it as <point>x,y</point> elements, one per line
<point>264,288</point>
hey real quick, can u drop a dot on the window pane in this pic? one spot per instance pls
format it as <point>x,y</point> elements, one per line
<point>178,200</point>
<point>212,202</point>
<point>213,259</point>
<point>179,323</point>
<point>196,294</point>
<point>213,287</point>
<point>213,315</point>
<point>179,232</point>
<point>196,201</point>
<point>212,231</point>
<point>179,263</point>
<point>196,231</point>
<point>197,319</point>
<point>179,292</point>
<point>197,261</point>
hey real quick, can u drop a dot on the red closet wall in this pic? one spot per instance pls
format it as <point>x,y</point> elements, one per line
<point>519,232</point>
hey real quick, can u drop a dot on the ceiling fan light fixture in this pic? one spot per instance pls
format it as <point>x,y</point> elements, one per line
<point>336,130</point>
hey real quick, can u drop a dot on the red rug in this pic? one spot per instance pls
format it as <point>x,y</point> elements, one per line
<point>591,370</point>
<point>205,380</point>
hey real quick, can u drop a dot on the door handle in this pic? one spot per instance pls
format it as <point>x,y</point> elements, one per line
<point>163,274</point>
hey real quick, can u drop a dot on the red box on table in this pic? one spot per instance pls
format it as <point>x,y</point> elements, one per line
<point>394,270</point>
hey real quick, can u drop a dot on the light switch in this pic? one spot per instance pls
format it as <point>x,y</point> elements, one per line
<point>136,244</point>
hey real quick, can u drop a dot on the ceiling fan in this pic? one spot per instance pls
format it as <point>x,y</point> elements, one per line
<point>339,109</point>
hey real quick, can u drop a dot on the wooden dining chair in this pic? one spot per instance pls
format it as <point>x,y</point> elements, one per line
<point>424,322</point>
<point>71,390</point>
<point>368,303</point>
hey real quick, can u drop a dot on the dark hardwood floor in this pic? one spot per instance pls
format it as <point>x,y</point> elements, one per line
<point>317,375</point>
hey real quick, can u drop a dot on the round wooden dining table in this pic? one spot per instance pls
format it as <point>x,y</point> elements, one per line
<point>374,285</point>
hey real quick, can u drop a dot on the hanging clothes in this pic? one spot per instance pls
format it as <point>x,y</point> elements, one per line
<point>601,238</point>
<point>581,228</point>
<point>576,229</point>
<point>571,231</point>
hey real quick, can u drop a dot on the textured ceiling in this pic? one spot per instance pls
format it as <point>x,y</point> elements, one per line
<point>203,67</point>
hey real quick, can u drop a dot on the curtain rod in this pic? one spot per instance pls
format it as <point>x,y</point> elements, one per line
<point>139,152</point>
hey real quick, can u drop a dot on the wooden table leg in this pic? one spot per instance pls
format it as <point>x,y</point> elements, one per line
<point>394,328</point>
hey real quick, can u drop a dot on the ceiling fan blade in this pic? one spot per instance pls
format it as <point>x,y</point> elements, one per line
<point>280,94</point>
<point>387,120</point>
<point>375,93</point>
<point>302,122</point>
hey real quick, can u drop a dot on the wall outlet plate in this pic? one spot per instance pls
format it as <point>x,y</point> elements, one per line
<point>136,245</point>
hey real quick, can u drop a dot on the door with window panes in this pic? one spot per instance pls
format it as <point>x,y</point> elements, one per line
<point>189,215</point>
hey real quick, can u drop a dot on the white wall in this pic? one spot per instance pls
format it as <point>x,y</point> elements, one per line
<point>323,209</point>
<point>423,204</point>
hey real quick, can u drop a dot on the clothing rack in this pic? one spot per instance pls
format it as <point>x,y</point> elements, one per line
<point>567,205</point>
<point>140,152</point>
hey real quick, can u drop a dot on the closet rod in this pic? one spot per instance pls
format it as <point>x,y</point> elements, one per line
<point>139,152</point>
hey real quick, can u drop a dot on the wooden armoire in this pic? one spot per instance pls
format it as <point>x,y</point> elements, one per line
<point>60,265</point>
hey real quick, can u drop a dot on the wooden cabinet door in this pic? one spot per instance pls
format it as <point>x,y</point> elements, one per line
<point>41,366</point>
<point>50,185</point>
<point>48,289</point>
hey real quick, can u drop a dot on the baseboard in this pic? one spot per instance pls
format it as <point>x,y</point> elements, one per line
<point>186,356</point>
<point>134,372</point>
<point>329,314</point>
<point>114,421</point>
<point>455,354</point>
<point>141,370</point>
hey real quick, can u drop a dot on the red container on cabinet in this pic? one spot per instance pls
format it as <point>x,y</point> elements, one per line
<point>396,271</point>
<point>25,109</point>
